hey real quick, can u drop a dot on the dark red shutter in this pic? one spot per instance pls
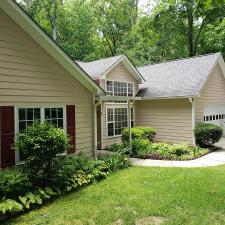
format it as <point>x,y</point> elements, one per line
<point>7,136</point>
<point>71,129</point>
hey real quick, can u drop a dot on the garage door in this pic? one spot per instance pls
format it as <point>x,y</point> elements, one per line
<point>215,114</point>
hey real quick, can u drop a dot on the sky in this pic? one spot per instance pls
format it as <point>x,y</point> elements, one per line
<point>146,5</point>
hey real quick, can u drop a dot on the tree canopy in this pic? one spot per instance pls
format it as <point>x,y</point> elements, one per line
<point>92,29</point>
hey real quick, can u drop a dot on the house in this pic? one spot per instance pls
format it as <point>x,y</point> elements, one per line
<point>171,96</point>
<point>181,93</point>
<point>94,101</point>
<point>38,81</point>
<point>118,77</point>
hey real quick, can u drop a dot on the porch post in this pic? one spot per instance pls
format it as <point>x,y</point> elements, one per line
<point>192,101</point>
<point>129,124</point>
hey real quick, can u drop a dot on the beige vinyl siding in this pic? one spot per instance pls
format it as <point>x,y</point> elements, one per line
<point>118,73</point>
<point>121,73</point>
<point>171,118</point>
<point>30,76</point>
<point>212,93</point>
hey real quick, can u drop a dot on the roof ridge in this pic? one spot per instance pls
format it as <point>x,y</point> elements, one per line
<point>180,59</point>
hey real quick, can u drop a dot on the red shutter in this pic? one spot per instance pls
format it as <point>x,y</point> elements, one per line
<point>71,129</point>
<point>7,136</point>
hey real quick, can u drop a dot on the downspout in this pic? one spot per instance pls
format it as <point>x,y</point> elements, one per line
<point>129,126</point>
<point>192,101</point>
<point>95,144</point>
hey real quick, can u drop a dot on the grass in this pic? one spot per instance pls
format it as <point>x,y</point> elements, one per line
<point>141,196</point>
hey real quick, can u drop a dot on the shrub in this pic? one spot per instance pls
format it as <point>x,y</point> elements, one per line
<point>40,145</point>
<point>26,201</point>
<point>146,149</point>
<point>138,133</point>
<point>207,134</point>
<point>114,147</point>
<point>13,182</point>
<point>70,173</point>
<point>10,206</point>
<point>140,148</point>
<point>77,171</point>
<point>117,161</point>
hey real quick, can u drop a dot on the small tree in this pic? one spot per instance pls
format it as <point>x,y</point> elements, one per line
<point>40,145</point>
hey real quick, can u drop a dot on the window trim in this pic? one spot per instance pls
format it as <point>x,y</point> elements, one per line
<point>128,82</point>
<point>42,119</point>
<point>106,117</point>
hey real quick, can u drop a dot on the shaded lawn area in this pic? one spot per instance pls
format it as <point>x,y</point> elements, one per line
<point>141,196</point>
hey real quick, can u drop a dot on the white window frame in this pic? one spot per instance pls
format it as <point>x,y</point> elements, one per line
<point>42,119</point>
<point>107,122</point>
<point>128,82</point>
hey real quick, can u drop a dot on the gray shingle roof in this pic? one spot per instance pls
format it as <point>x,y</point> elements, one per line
<point>97,68</point>
<point>179,78</point>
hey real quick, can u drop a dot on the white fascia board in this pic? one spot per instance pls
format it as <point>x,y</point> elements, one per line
<point>129,67</point>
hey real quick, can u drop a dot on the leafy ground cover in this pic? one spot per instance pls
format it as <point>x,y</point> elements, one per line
<point>141,196</point>
<point>147,150</point>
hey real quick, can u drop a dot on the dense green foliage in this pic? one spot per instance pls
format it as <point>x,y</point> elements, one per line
<point>117,161</point>
<point>13,182</point>
<point>141,196</point>
<point>167,29</point>
<point>138,132</point>
<point>47,173</point>
<point>20,194</point>
<point>207,134</point>
<point>145,149</point>
<point>114,147</point>
<point>40,145</point>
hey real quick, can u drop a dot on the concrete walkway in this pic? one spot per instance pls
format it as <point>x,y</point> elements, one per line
<point>212,159</point>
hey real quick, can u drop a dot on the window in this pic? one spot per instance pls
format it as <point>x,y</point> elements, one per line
<point>117,119</point>
<point>116,88</point>
<point>27,116</point>
<point>54,116</point>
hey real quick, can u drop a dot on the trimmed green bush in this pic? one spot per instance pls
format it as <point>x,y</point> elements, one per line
<point>40,145</point>
<point>138,133</point>
<point>207,134</point>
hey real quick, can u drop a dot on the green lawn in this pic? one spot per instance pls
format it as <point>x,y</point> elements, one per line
<point>141,196</point>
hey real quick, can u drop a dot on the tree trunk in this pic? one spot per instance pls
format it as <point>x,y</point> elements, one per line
<point>54,21</point>
<point>190,28</point>
<point>190,35</point>
<point>134,20</point>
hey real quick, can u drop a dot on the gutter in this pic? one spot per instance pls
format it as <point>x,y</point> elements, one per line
<point>192,101</point>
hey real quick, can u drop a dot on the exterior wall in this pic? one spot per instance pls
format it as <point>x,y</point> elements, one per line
<point>29,76</point>
<point>212,93</point>
<point>118,73</point>
<point>171,118</point>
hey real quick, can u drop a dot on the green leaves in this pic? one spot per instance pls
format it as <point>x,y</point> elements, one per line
<point>13,182</point>
<point>42,139</point>
<point>207,134</point>
<point>10,205</point>
<point>36,197</point>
